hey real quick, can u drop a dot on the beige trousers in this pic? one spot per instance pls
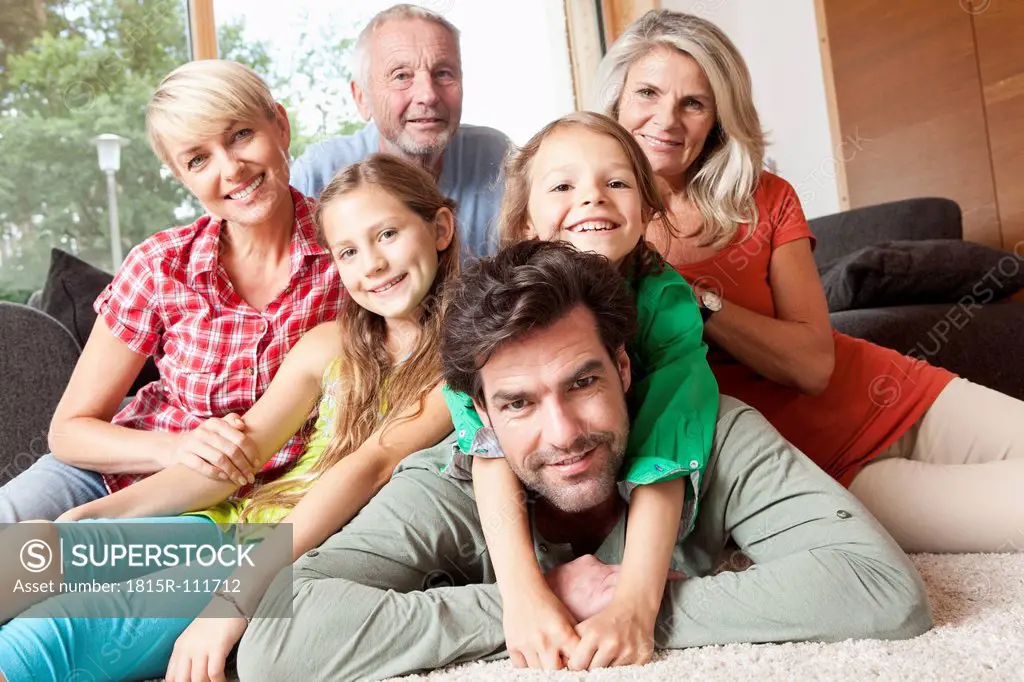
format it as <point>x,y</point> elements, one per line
<point>955,481</point>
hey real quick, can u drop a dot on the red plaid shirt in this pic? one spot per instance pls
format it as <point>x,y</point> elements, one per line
<point>172,299</point>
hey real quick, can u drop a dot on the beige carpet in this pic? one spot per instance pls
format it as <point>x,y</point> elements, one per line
<point>977,601</point>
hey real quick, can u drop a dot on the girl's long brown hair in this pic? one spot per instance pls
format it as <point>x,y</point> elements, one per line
<point>512,217</point>
<point>367,370</point>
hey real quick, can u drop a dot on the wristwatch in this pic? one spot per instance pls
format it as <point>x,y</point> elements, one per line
<point>709,303</point>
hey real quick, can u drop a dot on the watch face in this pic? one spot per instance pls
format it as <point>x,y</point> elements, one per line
<point>711,301</point>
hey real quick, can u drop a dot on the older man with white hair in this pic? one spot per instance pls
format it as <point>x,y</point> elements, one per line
<point>408,83</point>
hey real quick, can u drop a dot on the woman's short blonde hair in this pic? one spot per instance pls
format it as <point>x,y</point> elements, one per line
<point>198,99</point>
<point>721,182</point>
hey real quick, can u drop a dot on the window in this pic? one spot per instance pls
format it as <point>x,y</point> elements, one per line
<point>73,70</point>
<point>70,72</point>
<point>515,79</point>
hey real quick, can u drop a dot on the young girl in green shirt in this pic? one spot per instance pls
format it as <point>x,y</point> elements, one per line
<point>584,180</point>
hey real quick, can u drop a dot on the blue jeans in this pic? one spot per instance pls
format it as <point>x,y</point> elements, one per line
<point>47,489</point>
<point>51,645</point>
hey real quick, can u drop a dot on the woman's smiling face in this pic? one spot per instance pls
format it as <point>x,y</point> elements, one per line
<point>240,175</point>
<point>667,104</point>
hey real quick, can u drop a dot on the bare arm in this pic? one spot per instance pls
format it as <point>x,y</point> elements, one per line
<point>539,629</point>
<point>501,501</point>
<point>651,531</point>
<point>351,483</point>
<point>795,348</point>
<point>277,416</point>
<point>622,633</point>
<point>81,433</point>
<point>345,488</point>
<point>332,501</point>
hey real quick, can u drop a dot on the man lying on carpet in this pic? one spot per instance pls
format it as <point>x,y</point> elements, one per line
<point>547,367</point>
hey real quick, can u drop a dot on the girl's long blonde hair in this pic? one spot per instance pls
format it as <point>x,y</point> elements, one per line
<point>722,181</point>
<point>514,212</point>
<point>366,369</point>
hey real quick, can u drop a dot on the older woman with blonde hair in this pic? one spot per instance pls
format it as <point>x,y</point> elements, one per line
<point>935,457</point>
<point>217,303</point>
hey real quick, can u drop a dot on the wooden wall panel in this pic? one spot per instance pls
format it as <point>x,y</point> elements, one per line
<point>203,29</point>
<point>619,14</point>
<point>907,87</point>
<point>999,34</point>
<point>828,74</point>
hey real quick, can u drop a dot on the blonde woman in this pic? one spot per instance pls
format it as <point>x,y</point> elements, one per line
<point>936,458</point>
<point>217,303</point>
<point>376,375</point>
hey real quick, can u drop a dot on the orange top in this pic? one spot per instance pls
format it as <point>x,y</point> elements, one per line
<point>875,394</point>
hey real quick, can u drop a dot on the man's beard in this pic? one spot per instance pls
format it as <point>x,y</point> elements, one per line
<point>410,147</point>
<point>592,487</point>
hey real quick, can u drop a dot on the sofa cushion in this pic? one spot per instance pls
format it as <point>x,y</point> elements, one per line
<point>71,287</point>
<point>906,220</point>
<point>920,272</point>
<point>973,341</point>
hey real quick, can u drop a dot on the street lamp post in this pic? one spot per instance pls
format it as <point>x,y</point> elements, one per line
<point>108,148</point>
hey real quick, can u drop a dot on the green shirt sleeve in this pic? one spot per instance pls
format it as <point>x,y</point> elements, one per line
<point>464,418</point>
<point>674,398</point>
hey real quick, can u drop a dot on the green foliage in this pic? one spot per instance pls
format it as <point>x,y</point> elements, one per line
<point>317,82</point>
<point>22,21</point>
<point>15,295</point>
<point>71,71</point>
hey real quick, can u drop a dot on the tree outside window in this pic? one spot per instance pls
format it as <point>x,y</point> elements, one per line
<point>72,70</point>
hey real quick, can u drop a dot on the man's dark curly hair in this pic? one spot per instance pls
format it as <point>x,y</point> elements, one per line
<point>524,287</point>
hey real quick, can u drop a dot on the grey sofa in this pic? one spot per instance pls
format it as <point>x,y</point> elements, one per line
<point>39,345</point>
<point>982,344</point>
<point>37,355</point>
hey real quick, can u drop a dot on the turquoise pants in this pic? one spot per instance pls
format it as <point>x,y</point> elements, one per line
<point>45,644</point>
